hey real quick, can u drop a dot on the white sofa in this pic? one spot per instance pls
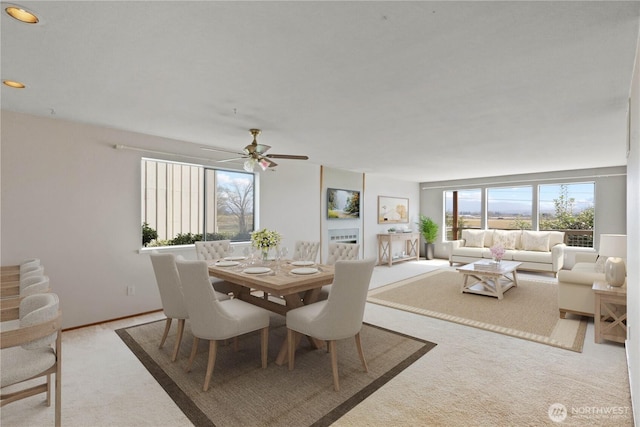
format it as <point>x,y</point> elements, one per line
<point>536,250</point>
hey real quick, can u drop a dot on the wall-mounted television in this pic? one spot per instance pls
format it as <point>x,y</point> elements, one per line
<point>343,204</point>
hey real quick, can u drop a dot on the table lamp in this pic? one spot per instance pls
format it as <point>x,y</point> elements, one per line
<point>614,247</point>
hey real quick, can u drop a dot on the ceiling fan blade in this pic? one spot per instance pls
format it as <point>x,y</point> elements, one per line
<point>222,150</point>
<point>287,156</point>
<point>231,160</point>
<point>272,164</point>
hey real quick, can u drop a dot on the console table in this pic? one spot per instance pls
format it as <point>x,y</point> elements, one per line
<point>610,316</point>
<point>385,247</point>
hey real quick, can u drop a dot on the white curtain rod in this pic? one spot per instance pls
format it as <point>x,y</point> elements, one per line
<point>165,153</point>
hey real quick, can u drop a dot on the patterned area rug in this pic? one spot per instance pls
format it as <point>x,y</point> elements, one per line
<point>528,311</point>
<point>243,394</point>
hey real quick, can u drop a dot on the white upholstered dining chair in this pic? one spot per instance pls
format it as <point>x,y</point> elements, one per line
<point>168,280</point>
<point>212,250</point>
<point>305,251</point>
<point>30,348</point>
<point>336,318</point>
<point>212,319</point>
<point>339,252</point>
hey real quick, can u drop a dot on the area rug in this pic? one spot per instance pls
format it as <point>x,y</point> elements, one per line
<point>528,311</point>
<point>244,394</point>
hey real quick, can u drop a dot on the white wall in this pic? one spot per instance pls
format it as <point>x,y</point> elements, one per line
<point>633,237</point>
<point>376,186</point>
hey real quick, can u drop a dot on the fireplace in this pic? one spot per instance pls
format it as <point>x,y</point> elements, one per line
<point>344,235</point>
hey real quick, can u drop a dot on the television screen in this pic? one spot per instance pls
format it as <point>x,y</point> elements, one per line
<point>343,204</point>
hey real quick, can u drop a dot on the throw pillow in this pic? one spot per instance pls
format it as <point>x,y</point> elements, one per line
<point>473,238</point>
<point>505,238</point>
<point>535,241</point>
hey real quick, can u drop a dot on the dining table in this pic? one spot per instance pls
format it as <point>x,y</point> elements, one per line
<point>278,286</point>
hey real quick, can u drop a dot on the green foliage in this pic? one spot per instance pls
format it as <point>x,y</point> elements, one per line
<point>353,205</point>
<point>148,234</point>
<point>565,218</point>
<point>428,228</point>
<point>521,224</point>
<point>186,239</point>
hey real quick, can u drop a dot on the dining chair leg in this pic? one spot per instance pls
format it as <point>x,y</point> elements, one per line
<point>333,349</point>
<point>291,347</point>
<point>58,408</point>
<point>236,344</point>
<point>194,350</point>
<point>264,346</point>
<point>213,350</point>
<point>167,326</point>
<point>361,353</point>
<point>176,347</point>
<point>48,389</point>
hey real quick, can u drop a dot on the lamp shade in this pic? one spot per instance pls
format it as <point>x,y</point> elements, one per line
<point>613,245</point>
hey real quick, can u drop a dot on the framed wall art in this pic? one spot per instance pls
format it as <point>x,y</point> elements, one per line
<point>393,210</point>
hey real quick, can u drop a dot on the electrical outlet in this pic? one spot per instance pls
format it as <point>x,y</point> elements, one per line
<point>131,290</point>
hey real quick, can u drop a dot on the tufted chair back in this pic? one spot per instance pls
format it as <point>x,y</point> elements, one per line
<point>212,250</point>
<point>306,251</point>
<point>343,252</point>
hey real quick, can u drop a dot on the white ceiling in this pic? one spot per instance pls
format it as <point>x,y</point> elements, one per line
<point>419,91</point>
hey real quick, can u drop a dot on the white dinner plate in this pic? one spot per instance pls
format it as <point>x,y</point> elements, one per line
<point>256,270</point>
<point>226,263</point>
<point>235,258</point>
<point>304,270</point>
<point>302,263</point>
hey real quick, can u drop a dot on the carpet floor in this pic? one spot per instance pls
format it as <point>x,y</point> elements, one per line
<point>243,394</point>
<point>528,311</point>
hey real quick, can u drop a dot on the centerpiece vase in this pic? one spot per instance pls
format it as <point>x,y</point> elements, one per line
<point>265,255</point>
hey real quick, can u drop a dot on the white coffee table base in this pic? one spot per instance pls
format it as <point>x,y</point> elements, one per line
<point>490,283</point>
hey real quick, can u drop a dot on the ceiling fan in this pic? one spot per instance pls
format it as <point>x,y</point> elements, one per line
<point>254,154</point>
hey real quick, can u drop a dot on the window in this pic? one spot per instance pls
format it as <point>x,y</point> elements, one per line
<point>509,208</point>
<point>570,208</point>
<point>463,209</point>
<point>180,201</point>
<point>567,207</point>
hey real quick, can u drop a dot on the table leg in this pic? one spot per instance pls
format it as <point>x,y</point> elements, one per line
<point>596,321</point>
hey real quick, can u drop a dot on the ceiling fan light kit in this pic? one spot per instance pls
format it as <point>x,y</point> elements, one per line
<point>254,154</point>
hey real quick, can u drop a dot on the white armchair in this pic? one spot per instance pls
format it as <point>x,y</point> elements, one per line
<point>575,293</point>
<point>212,319</point>
<point>338,317</point>
<point>26,352</point>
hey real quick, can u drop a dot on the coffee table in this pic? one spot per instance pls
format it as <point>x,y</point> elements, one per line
<point>489,278</point>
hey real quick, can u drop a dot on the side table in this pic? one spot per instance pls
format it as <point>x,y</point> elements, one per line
<point>610,318</point>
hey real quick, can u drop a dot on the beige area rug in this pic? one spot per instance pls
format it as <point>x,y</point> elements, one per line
<point>528,311</point>
<point>243,394</point>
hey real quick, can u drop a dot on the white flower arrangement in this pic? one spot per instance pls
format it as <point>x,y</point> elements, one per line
<point>265,239</point>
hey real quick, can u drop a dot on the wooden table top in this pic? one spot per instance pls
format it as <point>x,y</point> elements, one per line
<point>284,282</point>
<point>503,267</point>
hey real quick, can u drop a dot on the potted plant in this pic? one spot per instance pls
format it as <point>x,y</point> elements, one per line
<point>429,230</point>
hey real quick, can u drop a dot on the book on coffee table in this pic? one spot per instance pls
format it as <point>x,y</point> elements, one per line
<point>486,264</point>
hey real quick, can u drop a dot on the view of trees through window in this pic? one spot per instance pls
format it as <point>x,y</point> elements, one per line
<point>568,207</point>
<point>183,203</point>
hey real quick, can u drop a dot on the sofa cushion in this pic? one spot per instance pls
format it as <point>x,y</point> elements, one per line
<point>473,238</point>
<point>488,238</point>
<point>555,238</point>
<point>506,238</point>
<point>532,256</point>
<point>535,241</point>
<point>471,252</point>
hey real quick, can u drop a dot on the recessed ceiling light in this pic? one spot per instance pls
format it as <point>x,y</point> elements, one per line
<point>13,84</point>
<point>21,14</point>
